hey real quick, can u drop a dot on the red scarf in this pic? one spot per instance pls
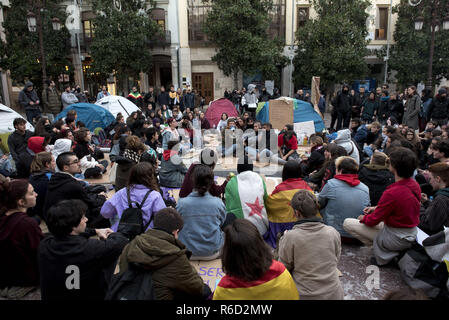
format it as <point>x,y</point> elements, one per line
<point>351,179</point>
<point>168,154</point>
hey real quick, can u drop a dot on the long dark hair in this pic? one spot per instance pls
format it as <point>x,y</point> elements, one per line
<point>203,178</point>
<point>292,170</point>
<point>11,192</point>
<point>245,254</point>
<point>145,174</point>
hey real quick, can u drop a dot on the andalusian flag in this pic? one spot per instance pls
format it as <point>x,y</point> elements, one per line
<point>280,214</point>
<point>276,284</point>
<point>245,196</point>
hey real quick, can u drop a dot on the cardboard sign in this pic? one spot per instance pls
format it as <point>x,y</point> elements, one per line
<point>307,127</point>
<point>210,271</point>
<point>281,113</point>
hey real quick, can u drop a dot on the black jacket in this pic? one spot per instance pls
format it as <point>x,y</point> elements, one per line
<point>188,101</point>
<point>63,186</point>
<point>39,181</point>
<point>342,102</point>
<point>17,144</point>
<point>95,260</point>
<point>163,98</point>
<point>439,108</point>
<point>435,214</point>
<point>81,150</point>
<point>377,179</point>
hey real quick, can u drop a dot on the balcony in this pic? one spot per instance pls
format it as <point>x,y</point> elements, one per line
<point>162,40</point>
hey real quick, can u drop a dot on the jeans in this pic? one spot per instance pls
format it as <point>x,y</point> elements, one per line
<point>32,114</point>
<point>265,154</point>
<point>369,152</point>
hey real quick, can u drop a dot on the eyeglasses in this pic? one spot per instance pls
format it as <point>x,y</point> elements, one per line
<point>74,161</point>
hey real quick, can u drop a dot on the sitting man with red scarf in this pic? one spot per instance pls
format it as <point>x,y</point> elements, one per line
<point>343,197</point>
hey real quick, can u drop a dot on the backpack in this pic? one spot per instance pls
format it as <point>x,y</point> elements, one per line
<point>131,222</point>
<point>135,283</point>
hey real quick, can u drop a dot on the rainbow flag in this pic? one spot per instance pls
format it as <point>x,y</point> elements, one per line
<point>276,284</point>
<point>280,214</point>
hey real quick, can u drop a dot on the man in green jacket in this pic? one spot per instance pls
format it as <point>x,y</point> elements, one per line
<point>160,252</point>
<point>51,99</point>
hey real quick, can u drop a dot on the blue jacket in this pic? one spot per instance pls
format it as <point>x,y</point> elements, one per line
<point>203,219</point>
<point>338,201</point>
<point>361,134</point>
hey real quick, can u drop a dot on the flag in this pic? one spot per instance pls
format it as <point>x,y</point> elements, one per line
<point>276,284</point>
<point>245,196</point>
<point>280,214</point>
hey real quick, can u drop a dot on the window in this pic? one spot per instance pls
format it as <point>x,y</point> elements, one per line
<point>197,15</point>
<point>277,17</point>
<point>88,28</point>
<point>382,24</point>
<point>158,15</point>
<point>302,17</point>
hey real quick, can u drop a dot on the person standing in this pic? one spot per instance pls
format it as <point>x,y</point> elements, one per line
<point>163,98</point>
<point>412,108</point>
<point>68,97</point>
<point>51,100</point>
<point>136,98</point>
<point>149,99</point>
<point>250,99</point>
<point>17,144</point>
<point>188,100</point>
<point>343,107</point>
<point>81,96</point>
<point>29,100</point>
<point>439,108</point>
<point>103,93</point>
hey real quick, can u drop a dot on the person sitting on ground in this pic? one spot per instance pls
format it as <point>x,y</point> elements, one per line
<point>204,216</point>
<point>42,168</point>
<point>376,176</point>
<point>280,214</point>
<point>173,170</point>
<point>317,180</point>
<point>230,137</point>
<point>210,158</point>
<point>64,186</point>
<point>287,144</point>
<point>131,156</point>
<point>359,132</point>
<point>373,139</point>
<point>245,196</point>
<point>251,272</point>
<point>160,251</point>
<point>223,122</point>
<point>392,223</point>
<point>311,250</point>
<point>143,189</point>
<point>69,252</point>
<point>258,144</point>
<point>20,236</point>
<point>90,168</point>
<point>344,139</point>
<point>119,141</point>
<point>344,196</point>
<point>152,140</point>
<point>316,159</point>
<point>441,150</point>
<point>434,214</point>
<point>170,133</point>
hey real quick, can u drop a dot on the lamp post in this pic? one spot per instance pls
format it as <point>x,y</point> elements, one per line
<point>434,27</point>
<point>35,24</point>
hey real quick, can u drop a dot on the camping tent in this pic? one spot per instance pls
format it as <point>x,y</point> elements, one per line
<point>301,111</point>
<point>92,115</point>
<point>7,116</point>
<point>116,104</point>
<point>217,108</point>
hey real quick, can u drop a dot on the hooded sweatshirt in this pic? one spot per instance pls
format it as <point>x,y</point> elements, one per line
<point>398,207</point>
<point>377,178</point>
<point>61,146</point>
<point>435,216</point>
<point>20,236</point>
<point>350,179</point>
<point>25,97</point>
<point>95,259</point>
<point>168,261</point>
<point>344,139</point>
<point>35,144</point>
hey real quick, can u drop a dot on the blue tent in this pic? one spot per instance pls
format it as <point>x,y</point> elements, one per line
<point>92,115</point>
<point>302,111</point>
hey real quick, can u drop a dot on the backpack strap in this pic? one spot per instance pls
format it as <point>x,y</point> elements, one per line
<point>141,206</point>
<point>130,204</point>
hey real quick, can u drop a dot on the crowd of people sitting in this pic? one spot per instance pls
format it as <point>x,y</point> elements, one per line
<point>371,183</point>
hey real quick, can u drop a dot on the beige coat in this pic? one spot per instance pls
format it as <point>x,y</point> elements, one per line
<point>310,251</point>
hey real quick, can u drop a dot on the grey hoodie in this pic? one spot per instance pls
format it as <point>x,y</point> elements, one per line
<point>25,99</point>
<point>344,139</point>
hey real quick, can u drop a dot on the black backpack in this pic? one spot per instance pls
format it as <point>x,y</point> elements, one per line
<point>131,222</point>
<point>135,283</point>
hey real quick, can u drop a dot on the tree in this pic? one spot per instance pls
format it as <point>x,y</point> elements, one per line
<point>122,38</point>
<point>409,55</point>
<point>239,30</point>
<point>20,52</point>
<point>333,45</point>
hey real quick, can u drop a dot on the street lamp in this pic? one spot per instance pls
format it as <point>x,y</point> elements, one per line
<point>35,24</point>
<point>436,10</point>
<point>31,19</point>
